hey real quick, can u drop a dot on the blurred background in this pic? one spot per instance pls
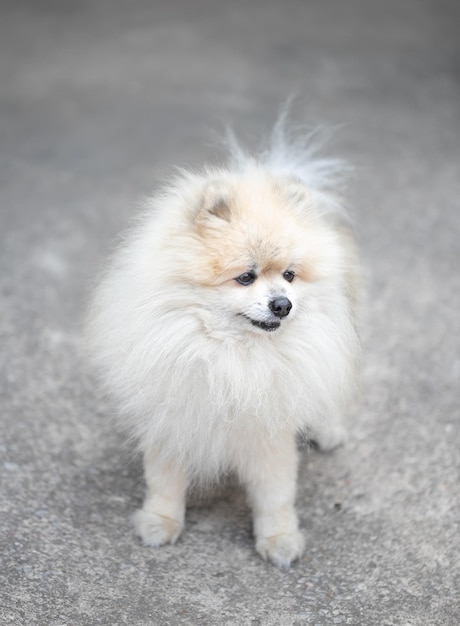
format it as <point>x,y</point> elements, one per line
<point>98,99</point>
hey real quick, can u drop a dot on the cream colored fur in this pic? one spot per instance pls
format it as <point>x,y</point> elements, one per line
<point>201,388</point>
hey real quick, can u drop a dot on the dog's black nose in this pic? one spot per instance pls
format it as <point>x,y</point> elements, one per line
<point>280,306</point>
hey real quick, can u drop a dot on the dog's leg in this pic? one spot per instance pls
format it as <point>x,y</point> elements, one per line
<point>161,518</point>
<point>270,476</point>
<point>330,435</point>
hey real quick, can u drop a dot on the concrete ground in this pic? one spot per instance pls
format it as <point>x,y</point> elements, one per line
<point>97,99</point>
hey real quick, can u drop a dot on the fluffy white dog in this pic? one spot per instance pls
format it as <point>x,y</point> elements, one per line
<point>224,326</point>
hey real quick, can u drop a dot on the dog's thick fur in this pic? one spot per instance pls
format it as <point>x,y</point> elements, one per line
<point>208,374</point>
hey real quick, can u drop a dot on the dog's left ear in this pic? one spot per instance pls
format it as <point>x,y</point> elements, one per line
<point>297,194</point>
<point>214,205</point>
<point>308,201</point>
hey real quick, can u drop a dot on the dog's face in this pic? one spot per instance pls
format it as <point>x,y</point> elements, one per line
<point>258,246</point>
<point>265,300</point>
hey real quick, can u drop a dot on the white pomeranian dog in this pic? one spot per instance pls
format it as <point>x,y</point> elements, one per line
<point>224,326</point>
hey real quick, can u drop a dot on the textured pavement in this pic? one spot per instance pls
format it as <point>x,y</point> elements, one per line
<point>97,100</point>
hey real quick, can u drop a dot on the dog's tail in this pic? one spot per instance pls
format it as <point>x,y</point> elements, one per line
<point>294,151</point>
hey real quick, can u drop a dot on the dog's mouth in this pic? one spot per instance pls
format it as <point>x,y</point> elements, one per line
<point>267,326</point>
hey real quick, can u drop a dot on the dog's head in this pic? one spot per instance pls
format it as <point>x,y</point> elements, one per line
<point>258,244</point>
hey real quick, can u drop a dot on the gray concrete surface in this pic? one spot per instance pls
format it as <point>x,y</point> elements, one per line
<point>97,99</point>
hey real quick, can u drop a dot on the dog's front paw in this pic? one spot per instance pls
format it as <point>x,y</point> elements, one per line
<point>155,529</point>
<point>281,549</point>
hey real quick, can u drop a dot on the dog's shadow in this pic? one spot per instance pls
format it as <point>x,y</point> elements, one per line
<point>221,508</point>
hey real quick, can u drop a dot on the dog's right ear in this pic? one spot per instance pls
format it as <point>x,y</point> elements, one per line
<point>214,206</point>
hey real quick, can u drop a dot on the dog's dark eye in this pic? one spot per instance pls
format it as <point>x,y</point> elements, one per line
<point>246,279</point>
<point>289,276</point>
